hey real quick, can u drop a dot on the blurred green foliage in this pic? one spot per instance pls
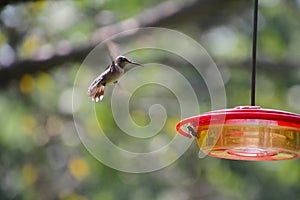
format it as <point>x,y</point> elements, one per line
<point>41,154</point>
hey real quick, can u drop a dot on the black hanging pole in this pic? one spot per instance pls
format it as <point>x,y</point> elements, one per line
<point>254,47</point>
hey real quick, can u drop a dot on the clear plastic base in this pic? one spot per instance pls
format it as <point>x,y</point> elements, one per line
<point>250,141</point>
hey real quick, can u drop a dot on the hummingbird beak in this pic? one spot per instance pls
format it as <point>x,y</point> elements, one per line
<point>134,63</point>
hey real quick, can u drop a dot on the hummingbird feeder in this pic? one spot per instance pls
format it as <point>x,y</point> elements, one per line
<point>246,132</point>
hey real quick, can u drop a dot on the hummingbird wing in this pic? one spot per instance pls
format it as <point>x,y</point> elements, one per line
<point>93,87</point>
<point>113,49</point>
<point>96,89</point>
<point>111,66</point>
<point>99,79</point>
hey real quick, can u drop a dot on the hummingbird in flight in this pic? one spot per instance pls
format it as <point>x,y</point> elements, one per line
<point>111,75</point>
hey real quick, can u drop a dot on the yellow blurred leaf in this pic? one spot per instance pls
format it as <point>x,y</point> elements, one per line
<point>140,117</point>
<point>39,4</point>
<point>2,39</point>
<point>29,124</point>
<point>29,173</point>
<point>30,45</point>
<point>27,83</point>
<point>71,196</point>
<point>45,82</point>
<point>79,168</point>
<point>170,126</point>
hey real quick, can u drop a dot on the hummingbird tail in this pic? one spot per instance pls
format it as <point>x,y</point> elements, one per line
<point>97,93</point>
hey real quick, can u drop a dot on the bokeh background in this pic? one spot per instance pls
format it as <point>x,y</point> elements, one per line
<point>42,45</point>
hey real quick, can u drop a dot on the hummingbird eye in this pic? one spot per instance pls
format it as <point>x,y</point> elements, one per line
<point>123,59</point>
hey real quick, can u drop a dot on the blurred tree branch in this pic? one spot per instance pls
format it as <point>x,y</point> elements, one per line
<point>206,13</point>
<point>4,3</point>
<point>265,64</point>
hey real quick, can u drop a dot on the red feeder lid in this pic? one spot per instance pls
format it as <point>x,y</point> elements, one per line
<point>245,133</point>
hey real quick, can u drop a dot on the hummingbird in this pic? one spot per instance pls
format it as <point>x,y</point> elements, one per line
<point>111,75</point>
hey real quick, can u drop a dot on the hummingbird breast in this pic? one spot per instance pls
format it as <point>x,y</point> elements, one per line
<point>112,75</point>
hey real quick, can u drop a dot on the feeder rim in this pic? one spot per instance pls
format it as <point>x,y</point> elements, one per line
<point>240,112</point>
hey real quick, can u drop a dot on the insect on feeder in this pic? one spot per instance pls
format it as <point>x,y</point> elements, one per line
<point>246,132</point>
